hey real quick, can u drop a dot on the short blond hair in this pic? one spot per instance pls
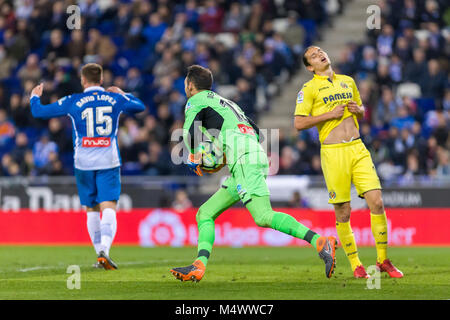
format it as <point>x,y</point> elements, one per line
<point>92,72</point>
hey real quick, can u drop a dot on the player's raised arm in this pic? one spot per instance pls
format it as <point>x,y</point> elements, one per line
<point>38,110</point>
<point>132,104</point>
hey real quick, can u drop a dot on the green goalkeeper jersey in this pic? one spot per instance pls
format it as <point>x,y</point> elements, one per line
<point>208,116</point>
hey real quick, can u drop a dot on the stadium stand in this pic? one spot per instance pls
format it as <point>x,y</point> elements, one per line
<point>252,47</point>
<point>145,47</point>
<point>403,78</point>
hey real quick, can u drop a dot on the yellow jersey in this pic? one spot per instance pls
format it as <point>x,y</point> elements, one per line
<point>321,94</point>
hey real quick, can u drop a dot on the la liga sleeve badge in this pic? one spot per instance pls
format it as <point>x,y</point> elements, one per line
<point>300,97</point>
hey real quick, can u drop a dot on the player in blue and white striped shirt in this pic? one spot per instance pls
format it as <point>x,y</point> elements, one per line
<point>95,117</point>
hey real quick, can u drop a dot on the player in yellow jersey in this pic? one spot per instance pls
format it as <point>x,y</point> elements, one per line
<point>332,103</point>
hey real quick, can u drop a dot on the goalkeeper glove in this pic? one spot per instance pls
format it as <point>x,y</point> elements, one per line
<point>194,165</point>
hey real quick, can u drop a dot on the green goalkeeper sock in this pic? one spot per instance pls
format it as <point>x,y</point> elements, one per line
<point>289,225</point>
<point>207,213</point>
<point>206,236</point>
<point>262,213</point>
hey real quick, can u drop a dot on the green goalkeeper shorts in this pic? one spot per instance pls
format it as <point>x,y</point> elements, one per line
<point>248,177</point>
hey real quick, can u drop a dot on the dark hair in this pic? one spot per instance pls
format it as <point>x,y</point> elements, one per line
<point>92,72</point>
<point>201,77</point>
<point>305,60</point>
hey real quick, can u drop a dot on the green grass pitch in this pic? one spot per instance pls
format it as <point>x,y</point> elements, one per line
<point>35,272</point>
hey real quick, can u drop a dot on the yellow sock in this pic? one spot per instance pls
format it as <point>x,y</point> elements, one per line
<point>378,223</point>
<point>345,234</point>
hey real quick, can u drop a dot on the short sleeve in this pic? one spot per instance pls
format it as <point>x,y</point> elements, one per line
<point>304,101</point>
<point>356,95</point>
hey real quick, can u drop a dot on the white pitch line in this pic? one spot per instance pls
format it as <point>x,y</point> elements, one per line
<point>126,263</point>
<point>37,268</point>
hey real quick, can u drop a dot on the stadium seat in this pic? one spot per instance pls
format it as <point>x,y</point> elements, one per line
<point>409,89</point>
<point>118,41</point>
<point>33,134</point>
<point>227,90</point>
<point>426,104</point>
<point>13,84</point>
<point>226,38</point>
<point>280,25</point>
<point>310,31</point>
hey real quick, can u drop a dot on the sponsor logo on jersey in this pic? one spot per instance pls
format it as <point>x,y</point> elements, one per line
<point>246,129</point>
<point>337,96</point>
<point>99,142</point>
<point>300,97</point>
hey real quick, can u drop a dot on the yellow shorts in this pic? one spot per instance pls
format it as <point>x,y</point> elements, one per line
<point>344,164</point>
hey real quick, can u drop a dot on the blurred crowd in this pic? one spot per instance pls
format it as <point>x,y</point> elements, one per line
<point>402,72</point>
<point>252,48</point>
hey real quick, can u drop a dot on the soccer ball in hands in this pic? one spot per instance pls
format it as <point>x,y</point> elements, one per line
<point>213,158</point>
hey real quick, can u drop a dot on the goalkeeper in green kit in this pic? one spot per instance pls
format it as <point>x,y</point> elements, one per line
<point>209,115</point>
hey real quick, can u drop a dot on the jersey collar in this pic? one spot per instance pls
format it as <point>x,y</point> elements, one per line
<point>94,88</point>
<point>316,76</point>
<point>199,94</point>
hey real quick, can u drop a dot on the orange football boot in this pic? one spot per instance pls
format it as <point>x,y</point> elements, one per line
<point>105,261</point>
<point>326,246</point>
<point>194,272</point>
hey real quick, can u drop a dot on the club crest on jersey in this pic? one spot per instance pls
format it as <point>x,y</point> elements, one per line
<point>300,97</point>
<point>188,105</point>
<point>332,195</point>
<point>344,85</point>
<point>99,142</point>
